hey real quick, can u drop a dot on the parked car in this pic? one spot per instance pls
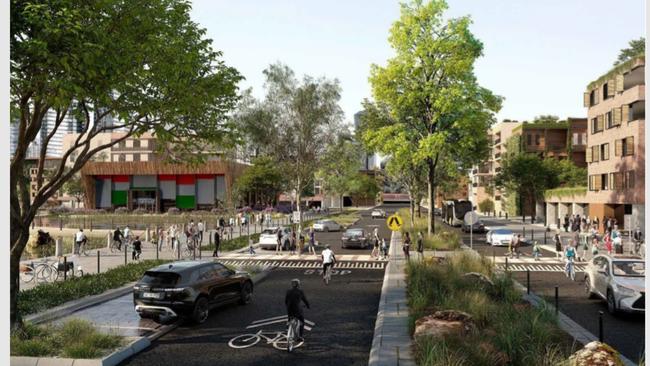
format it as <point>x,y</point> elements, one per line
<point>378,214</point>
<point>477,227</point>
<point>619,280</point>
<point>269,237</point>
<point>356,238</point>
<point>326,225</point>
<point>501,237</point>
<point>437,211</point>
<point>189,288</point>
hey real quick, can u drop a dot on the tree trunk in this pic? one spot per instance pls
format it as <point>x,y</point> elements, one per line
<point>19,238</point>
<point>412,210</point>
<point>341,202</point>
<point>431,227</point>
<point>419,209</point>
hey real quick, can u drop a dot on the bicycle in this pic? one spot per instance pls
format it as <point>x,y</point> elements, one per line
<point>82,248</point>
<point>570,270</point>
<point>327,275</point>
<point>27,272</point>
<point>279,340</point>
<point>115,246</point>
<point>292,330</point>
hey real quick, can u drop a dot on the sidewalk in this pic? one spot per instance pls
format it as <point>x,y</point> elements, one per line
<point>391,344</point>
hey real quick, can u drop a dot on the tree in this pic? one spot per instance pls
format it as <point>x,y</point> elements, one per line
<point>143,62</point>
<point>546,118</point>
<point>431,93</point>
<point>300,118</point>
<point>339,166</point>
<point>636,48</point>
<point>487,205</point>
<point>365,187</point>
<point>526,174</point>
<point>568,174</point>
<point>74,188</point>
<point>261,183</point>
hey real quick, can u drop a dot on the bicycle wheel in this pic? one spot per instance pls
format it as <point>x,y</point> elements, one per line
<point>282,343</point>
<point>46,273</point>
<point>27,274</point>
<point>572,273</point>
<point>244,341</point>
<point>83,250</point>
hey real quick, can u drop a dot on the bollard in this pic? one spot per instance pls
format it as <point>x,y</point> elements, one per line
<point>494,256</point>
<point>524,232</point>
<point>544,236</point>
<point>506,264</point>
<point>528,281</point>
<point>506,215</point>
<point>158,247</point>
<point>178,249</point>
<point>91,224</point>
<point>65,268</point>
<point>532,235</point>
<point>601,336</point>
<point>557,300</point>
<point>125,250</point>
<point>98,255</point>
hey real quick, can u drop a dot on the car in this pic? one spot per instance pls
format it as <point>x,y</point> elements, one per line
<point>326,225</point>
<point>437,211</point>
<point>355,238</point>
<point>189,289</point>
<point>269,237</point>
<point>477,227</point>
<point>501,237</point>
<point>619,280</point>
<point>378,214</point>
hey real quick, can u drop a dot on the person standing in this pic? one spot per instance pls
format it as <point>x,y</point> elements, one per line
<point>117,237</point>
<point>200,228</point>
<point>375,244</point>
<point>292,242</point>
<point>278,247</point>
<point>384,249</point>
<point>301,243</point>
<point>566,223</point>
<point>312,241</point>
<point>608,243</point>
<point>558,244</point>
<point>536,250</point>
<point>406,246</point>
<point>137,249</point>
<point>79,238</point>
<point>637,239</point>
<point>420,246</point>
<point>217,243</point>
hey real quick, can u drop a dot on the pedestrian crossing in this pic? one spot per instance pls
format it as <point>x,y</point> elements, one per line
<point>304,264</point>
<point>522,267</point>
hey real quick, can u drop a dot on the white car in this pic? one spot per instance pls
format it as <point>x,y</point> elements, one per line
<point>326,225</point>
<point>619,280</point>
<point>499,237</point>
<point>269,237</point>
<point>378,214</point>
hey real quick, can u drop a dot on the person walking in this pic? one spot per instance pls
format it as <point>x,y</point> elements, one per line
<point>585,249</point>
<point>384,249</point>
<point>312,241</point>
<point>637,240</point>
<point>278,247</point>
<point>617,240</point>
<point>200,227</point>
<point>251,250</point>
<point>420,246</point>
<point>375,244</point>
<point>79,238</point>
<point>594,247</point>
<point>536,250</point>
<point>217,243</point>
<point>301,244</point>
<point>406,246</point>
<point>566,223</point>
<point>118,237</point>
<point>292,242</point>
<point>516,244</point>
<point>608,243</point>
<point>558,244</point>
<point>137,249</point>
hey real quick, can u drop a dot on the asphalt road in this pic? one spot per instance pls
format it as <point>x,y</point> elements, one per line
<point>625,332</point>
<point>344,314</point>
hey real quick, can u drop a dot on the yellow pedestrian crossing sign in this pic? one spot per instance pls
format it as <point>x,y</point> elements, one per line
<point>394,222</point>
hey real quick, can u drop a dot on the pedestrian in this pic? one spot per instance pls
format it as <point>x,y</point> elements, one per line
<point>137,248</point>
<point>301,244</point>
<point>517,244</point>
<point>384,248</point>
<point>375,244</point>
<point>637,239</point>
<point>608,224</point>
<point>566,223</point>
<point>597,221</point>
<point>292,242</point>
<point>608,243</point>
<point>406,246</point>
<point>200,228</point>
<point>536,250</point>
<point>79,238</point>
<point>278,247</point>
<point>217,243</point>
<point>558,244</point>
<point>617,240</point>
<point>312,241</point>
<point>594,247</point>
<point>585,249</point>
<point>420,246</point>
<point>286,241</point>
<point>251,250</point>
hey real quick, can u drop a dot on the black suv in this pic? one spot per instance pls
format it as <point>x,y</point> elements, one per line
<point>189,288</point>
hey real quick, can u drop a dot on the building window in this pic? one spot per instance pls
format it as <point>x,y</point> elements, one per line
<point>593,97</point>
<point>597,124</point>
<point>136,157</point>
<point>122,158</point>
<point>595,156</point>
<point>529,139</point>
<point>629,179</point>
<point>605,91</point>
<point>537,137</point>
<point>136,143</point>
<point>122,144</point>
<point>624,147</point>
<point>603,180</point>
<point>636,111</point>
<point>604,151</point>
<point>616,180</point>
<point>609,121</point>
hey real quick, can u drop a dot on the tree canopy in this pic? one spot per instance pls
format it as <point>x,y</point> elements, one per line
<point>636,48</point>
<point>432,97</point>
<point>339,166</point>
<point>261,183</point>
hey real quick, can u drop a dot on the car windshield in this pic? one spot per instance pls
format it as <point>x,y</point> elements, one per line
<point>502,232</point>
<point>354,232</point>
<point>160,278</point>
<point>269,231</point>
<point>628,268</point>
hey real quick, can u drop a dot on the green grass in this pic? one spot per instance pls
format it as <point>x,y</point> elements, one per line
<point>49,295</point>
<point>442,239</point>
<point>75,338</point>
<point>233,244</point>
<point>565,192</point>
<point>508,331</point>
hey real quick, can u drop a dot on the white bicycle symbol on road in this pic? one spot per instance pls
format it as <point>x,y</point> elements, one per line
<point>277,338</point>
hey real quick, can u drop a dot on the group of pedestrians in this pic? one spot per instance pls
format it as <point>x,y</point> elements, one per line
<point>294,242</point>
<point>406,246</point>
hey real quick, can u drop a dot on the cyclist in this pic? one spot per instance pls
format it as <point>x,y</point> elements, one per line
<point>328,258</point>
<point>637,238</point>
<point>79,238</point>
<point>137,248</point>
<point>117,237</point>
<point>292,301</point>
<point>570,255</point>
<point>127,235</point>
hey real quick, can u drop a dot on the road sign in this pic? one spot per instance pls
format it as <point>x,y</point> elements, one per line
<point>470,218</point>
<point>296,217</point>
<point>394,222</point>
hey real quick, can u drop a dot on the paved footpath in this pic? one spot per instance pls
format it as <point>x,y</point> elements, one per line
<point>392,344</point>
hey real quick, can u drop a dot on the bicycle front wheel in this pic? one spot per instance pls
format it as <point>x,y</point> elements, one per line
<point>244,341</point>
<point>27,274</point>
<point>282,343</point>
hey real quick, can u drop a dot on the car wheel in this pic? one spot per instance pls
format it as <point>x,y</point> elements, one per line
<point>327,229</point>
<point>588,292</point>
<point>246,294</point>
<point>611,302</point>
<point>201,310</point>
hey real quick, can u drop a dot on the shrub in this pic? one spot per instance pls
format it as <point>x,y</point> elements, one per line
<point>173,211</point>
<point>49,295</point>
<point>487,205</point>
<point>121,210</point>
<point>140,211</point>
<point>59,210</point>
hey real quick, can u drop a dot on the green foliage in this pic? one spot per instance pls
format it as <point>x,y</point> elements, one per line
<point>506,328</point>
<point>339,166</point>
<point>568,174</point>
<point>565,192</point>
<point>443,239</point>
<point>636,48</point>
<point>233,244</point>
<point>49,295</point>
<point>487,205</point>
<point>364,186</point>
<point>262,182</point>
<point>75,338</point>
<point>427,96</point>
<point>616,70</point>
<point>527,174</point>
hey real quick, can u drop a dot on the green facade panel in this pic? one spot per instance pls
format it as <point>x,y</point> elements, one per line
<point>186,201</point>
<point>119,198</point>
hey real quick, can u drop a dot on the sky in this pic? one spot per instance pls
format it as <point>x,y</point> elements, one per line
<point>538,55</point>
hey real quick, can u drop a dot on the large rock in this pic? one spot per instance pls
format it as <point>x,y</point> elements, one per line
<point>443,323</point>
<point>480,279</point>
<point>596,354</point>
